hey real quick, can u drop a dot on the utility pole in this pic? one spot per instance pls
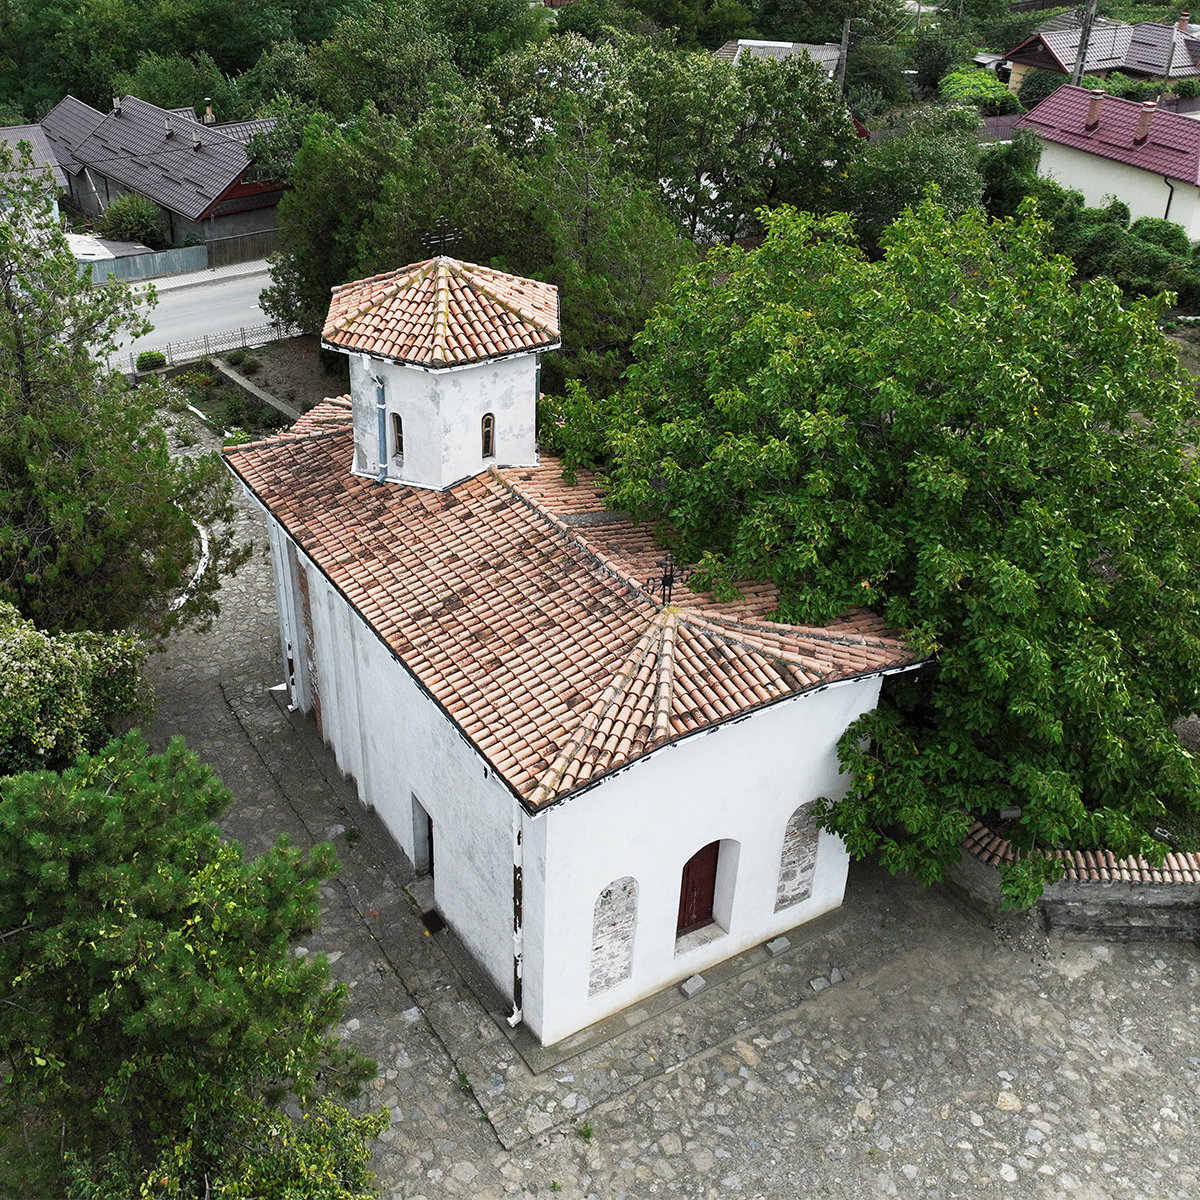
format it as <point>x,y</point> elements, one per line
<point>1089,17</point>
<point>1167,70</point>
<point>841,72</point>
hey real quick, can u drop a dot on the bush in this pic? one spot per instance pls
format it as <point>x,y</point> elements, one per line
<point>133,218</point>
<point>60,695</point>
<point>250,365</point>
<point>971,85</point>
<point>1162,233</point>
<point>151,360</point>
<point>1187,89</point>
<point>235,357</point>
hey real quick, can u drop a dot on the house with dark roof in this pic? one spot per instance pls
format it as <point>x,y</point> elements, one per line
<point>608,779</point>
<point>1142,51</point>
<point>198,174</point>
<point>1104,146</point>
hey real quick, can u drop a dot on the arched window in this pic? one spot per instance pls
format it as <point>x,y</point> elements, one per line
<point>613,922</point>
<point>488,431</point>
<point>397,435</point>
<point>798,861</point>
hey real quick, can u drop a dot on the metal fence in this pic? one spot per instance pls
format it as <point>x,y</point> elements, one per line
<point>213,343</point>
<point>242,247</point>
<point>138,266</point>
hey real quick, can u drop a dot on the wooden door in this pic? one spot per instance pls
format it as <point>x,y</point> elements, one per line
<point>697,889</point>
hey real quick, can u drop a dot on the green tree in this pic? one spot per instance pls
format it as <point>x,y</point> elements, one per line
<point>970,85</point>
<point>153,1011</point>
<point>936,147</point>
<point>810,21</point>
<point>724,140</point>
<point>60,695</point>
<point>181,81</point>
<point>96,517</point>
<point>388,55</point>
<point>997,461</point>
<point>613,252</point>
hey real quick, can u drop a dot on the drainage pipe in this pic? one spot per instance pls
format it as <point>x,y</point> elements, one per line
<point>518,923</point>
<point>381,413</point>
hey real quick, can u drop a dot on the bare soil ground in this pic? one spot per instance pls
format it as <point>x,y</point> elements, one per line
<point>292,370</point>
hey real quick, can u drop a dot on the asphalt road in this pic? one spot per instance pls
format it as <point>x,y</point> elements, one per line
<point>207,308</point>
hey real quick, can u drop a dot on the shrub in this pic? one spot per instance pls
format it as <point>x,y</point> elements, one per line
<point>1037,85</point>
<point>250,365</point>
<point>971,85</point>
<point>151,360</point>
<point>1187,89</point>
<point>235,357</point>
<point>60,694</point>
<point>133,218</point>
<point>1162,233</point>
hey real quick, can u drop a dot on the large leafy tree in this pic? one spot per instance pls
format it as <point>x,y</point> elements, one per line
<point>96,518</point>
<point>152,1012</point>
<point>994,459</point>
<point>724,140</point>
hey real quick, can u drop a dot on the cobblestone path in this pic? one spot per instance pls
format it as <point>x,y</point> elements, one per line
<point>901,1047</point>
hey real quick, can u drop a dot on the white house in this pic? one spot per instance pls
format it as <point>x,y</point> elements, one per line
<point>610,780</point>
<point>1104,146</point>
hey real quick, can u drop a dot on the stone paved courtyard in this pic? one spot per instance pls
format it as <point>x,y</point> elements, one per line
<point>902,1046</point>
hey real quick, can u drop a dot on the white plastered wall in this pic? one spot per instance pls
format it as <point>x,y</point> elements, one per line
<point>739,782</point>
<point>396,742</point>
<point>442,412</point>
<point>1146,194</point>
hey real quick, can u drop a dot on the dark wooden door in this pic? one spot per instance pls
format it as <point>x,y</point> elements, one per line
<point>697,889</point>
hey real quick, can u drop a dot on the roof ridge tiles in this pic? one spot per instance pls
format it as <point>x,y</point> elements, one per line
<point>600,711</point>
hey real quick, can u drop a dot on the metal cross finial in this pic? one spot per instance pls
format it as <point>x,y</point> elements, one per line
<point>664,584</point>
<point>439,237</point>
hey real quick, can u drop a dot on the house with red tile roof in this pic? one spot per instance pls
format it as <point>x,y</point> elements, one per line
<point>609,777</point>
<point>1104,146</point>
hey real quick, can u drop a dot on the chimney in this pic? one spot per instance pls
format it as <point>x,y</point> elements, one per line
<point>1093,112</point>
<point>1184,18</point>
<point>209,118</point>
<point>196,142</point>
<point>117,105</point>
<point>170,127</point>
<point>1143,126</point>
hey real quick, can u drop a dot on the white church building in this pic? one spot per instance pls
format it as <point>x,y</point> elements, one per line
<point>610,780</point>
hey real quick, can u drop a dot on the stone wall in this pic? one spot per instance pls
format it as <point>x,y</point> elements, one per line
<point>612,935</point>
<point>799,859</point>
<point>1149,905</point>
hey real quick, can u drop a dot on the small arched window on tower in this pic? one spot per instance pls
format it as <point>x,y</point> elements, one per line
<point>488,432</point>
<point>397,435</point>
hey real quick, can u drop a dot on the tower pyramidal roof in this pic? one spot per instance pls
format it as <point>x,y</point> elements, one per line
<point>442,313</point>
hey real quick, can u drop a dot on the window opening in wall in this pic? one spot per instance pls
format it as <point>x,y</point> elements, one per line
<point>488,430</point>
<point>397,435</point>
<point>698,889</point>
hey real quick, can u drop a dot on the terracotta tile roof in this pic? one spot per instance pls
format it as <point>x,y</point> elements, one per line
<point>519,605</point>
<point>1089,865</point>
<point>1171,147</point>
<point>442,312</point>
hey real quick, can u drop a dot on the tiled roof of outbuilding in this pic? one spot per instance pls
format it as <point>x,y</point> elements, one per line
<point>518,602</point>
<point>441,313</point>
<point>1171,146</point>
<point>1097,866</point>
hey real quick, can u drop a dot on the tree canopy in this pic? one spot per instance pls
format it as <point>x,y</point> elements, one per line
<point>152,1008</point>
<point>96,516</point>
<point>995,460</point>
